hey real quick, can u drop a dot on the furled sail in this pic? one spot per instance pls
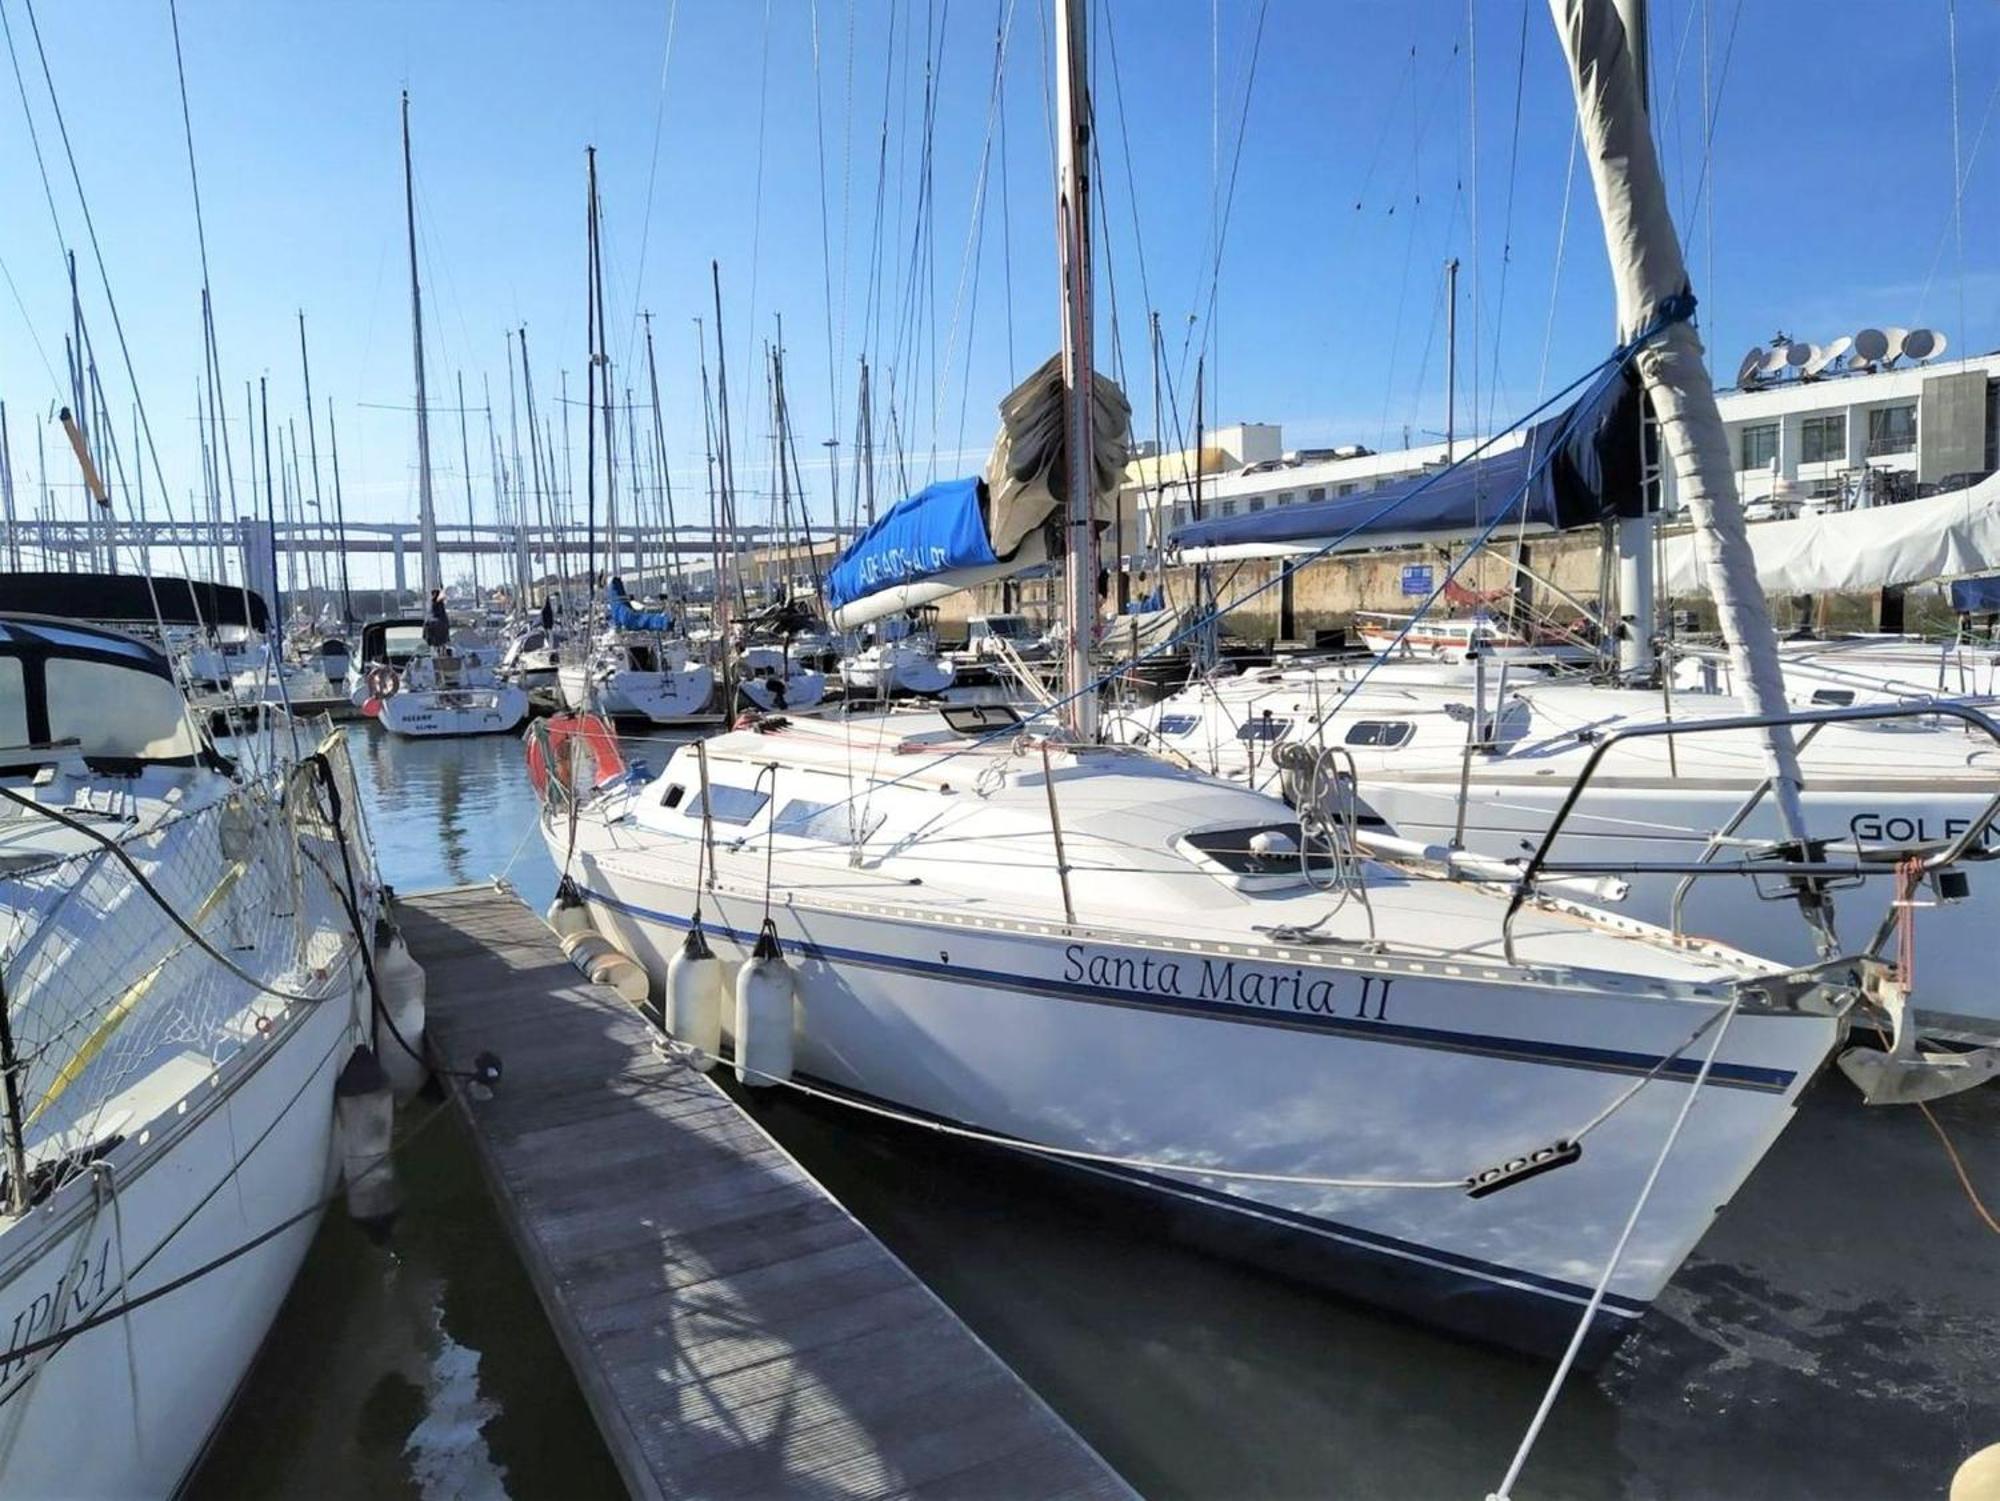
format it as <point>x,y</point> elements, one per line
<point>1595,465</point>
<point>1938,537</point>
<point>958,534</point>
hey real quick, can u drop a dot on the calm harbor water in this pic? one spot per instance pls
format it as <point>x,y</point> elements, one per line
<point>1837,1335</point>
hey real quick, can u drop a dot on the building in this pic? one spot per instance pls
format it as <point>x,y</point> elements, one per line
<point>1859,437</point>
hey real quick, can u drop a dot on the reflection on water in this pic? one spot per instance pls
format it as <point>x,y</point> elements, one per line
<point>1835,1337</point>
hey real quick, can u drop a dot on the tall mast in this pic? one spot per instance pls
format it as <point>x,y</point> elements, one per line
<point>471,519</point>
<point>339,513</point>
<point>1650,275</point>
<point>426,515</point>
<point>1073,245</point>
<point>7,493</point>
<point>312,445</point>
<point>671,551</point>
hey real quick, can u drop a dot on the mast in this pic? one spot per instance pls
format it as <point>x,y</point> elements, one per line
<point>339,513</point>
<point>671,551</point>
<point>1649,273</point>
<point>7,493</point>
<point>426,515</point>
<point>1451,361</point>
<point>312,444</point>
<point>1637,588</point>
<point>1073,236</point>
<point>471,518</point>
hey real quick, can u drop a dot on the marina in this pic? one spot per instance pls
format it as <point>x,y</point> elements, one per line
<point>753,844</point>
<point>733,1326</point>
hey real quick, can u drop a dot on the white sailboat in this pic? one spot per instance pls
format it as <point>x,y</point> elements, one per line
<point>1171,982</point>
<point>183,985</point>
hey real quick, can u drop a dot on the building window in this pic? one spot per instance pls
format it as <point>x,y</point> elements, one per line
<point>1347,489</point>
<point>1229,508</point>
<point>1256,504</point>
<point>1823,440</point>
<point>1318,494</point>
<point>1760,445</point>
<point>1892,430</point>
<point>1284,497</point>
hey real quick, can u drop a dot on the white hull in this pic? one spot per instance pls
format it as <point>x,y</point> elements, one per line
<point>1303,1062</point>
<point>670,697</point>
<point>892,671</point>
<point>127,1408</point>
<point>455,711</point>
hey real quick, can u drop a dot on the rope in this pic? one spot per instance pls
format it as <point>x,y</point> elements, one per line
<point>1506,1486</point>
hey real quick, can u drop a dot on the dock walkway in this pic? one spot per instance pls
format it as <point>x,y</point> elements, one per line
<point>735,1331</point>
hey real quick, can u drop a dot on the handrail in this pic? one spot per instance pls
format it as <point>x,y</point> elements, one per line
<point>1950,855</point>
<point>1716,840</point>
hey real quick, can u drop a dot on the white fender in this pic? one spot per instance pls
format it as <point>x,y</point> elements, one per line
<point>695,989</point>
<point>364,1112</point>
<point>400,980</point>
<point>602,964</point>
<point>766,993</point>
<point>568,919</point>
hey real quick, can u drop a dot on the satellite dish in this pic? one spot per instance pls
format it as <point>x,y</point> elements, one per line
<point>1923,344</point>
<point>1752,366</point>
<point>1871,345</point>
<point>1774,362</point>
<point>1799,354</point>
<point>1826,355</point>
<point>1895,337</point>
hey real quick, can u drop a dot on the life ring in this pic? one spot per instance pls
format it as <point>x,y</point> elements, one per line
<point>384,681</point>
<point>549,753</point>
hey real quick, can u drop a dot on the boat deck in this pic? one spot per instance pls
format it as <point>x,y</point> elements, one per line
<point>733,1328</point>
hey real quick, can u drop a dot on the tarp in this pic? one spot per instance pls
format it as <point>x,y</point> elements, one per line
<point>1596,466</point>
<point>129,599</point>
<point>625,616</point>
<point>1946,536</point>
<point>939,530</point>
<point>1979,596</point>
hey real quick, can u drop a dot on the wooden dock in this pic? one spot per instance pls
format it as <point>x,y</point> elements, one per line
<point>734,1329</point>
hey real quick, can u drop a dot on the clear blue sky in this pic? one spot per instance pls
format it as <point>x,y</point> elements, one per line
<point>1370,147</point>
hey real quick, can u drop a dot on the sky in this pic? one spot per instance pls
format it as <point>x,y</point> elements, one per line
<point>1280,181</point>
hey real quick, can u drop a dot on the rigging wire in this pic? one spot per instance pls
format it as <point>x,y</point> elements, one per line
<point>652,173</point>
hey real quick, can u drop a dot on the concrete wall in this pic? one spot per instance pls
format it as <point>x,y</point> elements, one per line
<point>1951,425</point>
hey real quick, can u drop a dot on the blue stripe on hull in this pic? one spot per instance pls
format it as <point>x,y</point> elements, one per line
<point>1560,1054</point>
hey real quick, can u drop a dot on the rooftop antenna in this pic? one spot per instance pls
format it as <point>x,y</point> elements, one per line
<point>1871,346</point>
<point>1825,354</point>
<point>1923,344</point>
<point>1751,369</point>
<point>1895,336</point>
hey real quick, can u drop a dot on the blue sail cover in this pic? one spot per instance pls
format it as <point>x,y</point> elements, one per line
<point>938,530</point>
<point>1595,470</point>
<point>1980,596</point>
<point>625,616</point>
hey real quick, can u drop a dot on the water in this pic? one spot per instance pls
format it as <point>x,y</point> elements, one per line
<point>1835,1337</point>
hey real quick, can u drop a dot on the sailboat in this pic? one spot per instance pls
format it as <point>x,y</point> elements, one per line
<point>1175,984</point>
<point>184,986</point>
<point>430,691</point>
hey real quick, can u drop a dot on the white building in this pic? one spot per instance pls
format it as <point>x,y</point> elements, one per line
<point>1866,437</point>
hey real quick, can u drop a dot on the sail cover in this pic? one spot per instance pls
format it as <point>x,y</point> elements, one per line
<point>1946,536</point>
<point>1596,465</point>
<point>941,529</point>
<point>133,599</point>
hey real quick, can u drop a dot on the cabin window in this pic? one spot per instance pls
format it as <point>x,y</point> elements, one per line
<point>1256,504</point>
<point>1833,698</point>
<point>728,804</point>
<point>1823,440</point>
<point>1178,724</point>
<point>671,798</point>
<point>1347,489</point>
<point>1263,727</point>
<point>13,703</point>
<point>1760,445</point>
<point>805,818</point>
<point>1229,508</point>
<point>1380,732</point>
<point>1892,430</point>
<point>1261,850</point>
<point>1316,493</point>
<point>114,711</point>
<point>1284,497</point>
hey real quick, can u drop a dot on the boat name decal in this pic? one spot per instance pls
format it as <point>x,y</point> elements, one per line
<point>1227,981</point>
<point>1901,828</point>
<point>46,1312</point>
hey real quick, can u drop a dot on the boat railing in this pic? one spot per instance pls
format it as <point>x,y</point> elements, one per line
<point>137,947</point>
<point>1807,870</point>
